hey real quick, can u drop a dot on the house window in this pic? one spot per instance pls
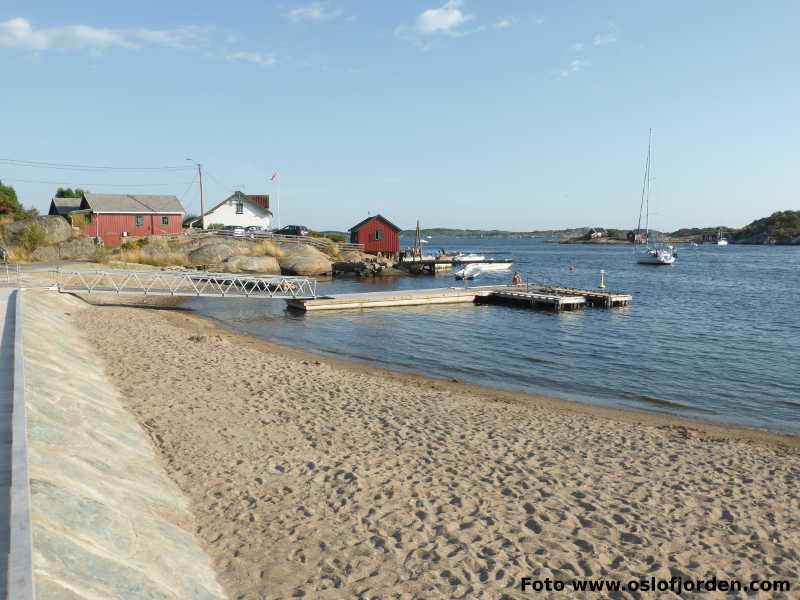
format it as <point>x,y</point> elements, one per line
<point>139,220</point>
<point>379,234</point>
<point>240,207</point>
<point>165,220</point>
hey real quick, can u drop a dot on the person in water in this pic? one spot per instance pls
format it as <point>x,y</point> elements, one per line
<point>516,279</point>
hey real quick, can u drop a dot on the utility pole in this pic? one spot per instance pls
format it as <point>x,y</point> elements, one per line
<point>202,207</point>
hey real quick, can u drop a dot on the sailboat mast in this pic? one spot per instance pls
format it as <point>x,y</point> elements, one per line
<point>644,205</point>
<point>648,179</point>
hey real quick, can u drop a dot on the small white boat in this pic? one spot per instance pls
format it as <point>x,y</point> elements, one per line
<point>721,241</point>
<point>463,258</point>
<point>473,270</point>
<point>468,272</point>
<point>657,256</point>
<point>423,241</point>
<point>647,252</point>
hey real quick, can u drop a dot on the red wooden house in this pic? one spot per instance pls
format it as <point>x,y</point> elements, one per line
<point>115,217</point>
<point>378,234</point>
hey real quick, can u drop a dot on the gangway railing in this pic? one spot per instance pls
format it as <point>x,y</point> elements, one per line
<point>10,273</point>
<point>184,283</point>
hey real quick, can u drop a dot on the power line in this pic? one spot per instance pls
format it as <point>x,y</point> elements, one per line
<point>191,183</point>
<point>69,166</point>
<point>210,174</point>
<point>61,183</point>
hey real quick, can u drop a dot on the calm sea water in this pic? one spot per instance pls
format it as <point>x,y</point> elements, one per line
<point>715,337</point>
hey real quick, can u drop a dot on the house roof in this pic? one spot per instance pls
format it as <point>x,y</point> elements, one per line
<point>66,205</point>
<point>368,219</point>
<point>139,203</point>
<point>262,201</point>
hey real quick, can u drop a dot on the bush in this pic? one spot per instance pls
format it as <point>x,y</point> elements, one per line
<point>31,237</point>
<point>101,255</point>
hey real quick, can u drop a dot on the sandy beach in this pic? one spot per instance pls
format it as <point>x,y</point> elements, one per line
<point>311,477</point>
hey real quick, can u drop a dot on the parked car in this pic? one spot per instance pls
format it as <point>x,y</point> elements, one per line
<point>254,228</point>
<point>293,230</point>
<point>236,229</point>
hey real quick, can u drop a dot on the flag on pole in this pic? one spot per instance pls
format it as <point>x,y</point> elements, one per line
<point>274,176</point>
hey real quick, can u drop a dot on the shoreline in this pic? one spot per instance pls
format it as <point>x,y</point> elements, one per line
<point>197,322</point>
<point>313,476</point>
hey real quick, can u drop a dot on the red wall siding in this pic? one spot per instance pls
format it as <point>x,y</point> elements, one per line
<point>109,227</point>
<point>389,243</point>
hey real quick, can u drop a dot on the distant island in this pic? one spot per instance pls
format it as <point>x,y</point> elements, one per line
<point>781,227</point>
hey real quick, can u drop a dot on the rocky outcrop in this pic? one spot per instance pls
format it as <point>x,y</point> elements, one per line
<point>55,229</point>
<point>213,252</point>
<point>304,260</point>
<point>71,249</point>
<point>253,264</point>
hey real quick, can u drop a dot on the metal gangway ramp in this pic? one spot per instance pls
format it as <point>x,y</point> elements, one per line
<point>184,283</point>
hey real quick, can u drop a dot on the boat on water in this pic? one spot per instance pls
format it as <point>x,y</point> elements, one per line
<point>721,241</point>
<point>465,258</point>
<point>647,251</point>
<point>473,270</point>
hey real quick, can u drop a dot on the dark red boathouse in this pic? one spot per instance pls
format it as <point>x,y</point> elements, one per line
<point>378,234</point>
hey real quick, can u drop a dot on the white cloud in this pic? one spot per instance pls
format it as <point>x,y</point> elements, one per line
<point>578,46</point>
<point>575,66</point>
<point>180,37</point>
<point>503,23</point>
<point>442,20</point>
<point>609,37</point>
<point>317,11</point>
<point>538,20</point>
<point>19,33</point>
<point>261,59</point>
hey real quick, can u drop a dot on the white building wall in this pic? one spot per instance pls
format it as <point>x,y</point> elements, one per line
<point>226,214</point>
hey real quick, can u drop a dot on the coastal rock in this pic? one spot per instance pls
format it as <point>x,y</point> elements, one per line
<point>46,254</point>
<point>77,248</point>
<point>253,264</point>
<point>304,260</point>
<point>81,247</point>
<point>214,252</point>
<point>153,251</point>
<point>56,229</point>
<point>354,256</point>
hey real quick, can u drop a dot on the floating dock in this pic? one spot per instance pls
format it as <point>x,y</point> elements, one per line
<point>539,296</point>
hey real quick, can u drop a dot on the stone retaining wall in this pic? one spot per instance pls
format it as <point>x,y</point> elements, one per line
<point>107,521</point>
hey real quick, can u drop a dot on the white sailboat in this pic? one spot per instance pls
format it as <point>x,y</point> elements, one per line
<point>721,241</point>
<point>648,253</point>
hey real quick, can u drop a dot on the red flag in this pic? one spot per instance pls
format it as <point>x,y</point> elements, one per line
<point>274,176</point>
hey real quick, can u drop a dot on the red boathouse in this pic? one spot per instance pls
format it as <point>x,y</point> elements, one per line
<point>378,234</point>
<point>115,217</point>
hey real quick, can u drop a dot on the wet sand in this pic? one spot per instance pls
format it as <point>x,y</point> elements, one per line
<point>313,477</point>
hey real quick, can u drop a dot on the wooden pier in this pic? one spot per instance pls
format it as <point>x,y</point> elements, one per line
<point>553,298</point>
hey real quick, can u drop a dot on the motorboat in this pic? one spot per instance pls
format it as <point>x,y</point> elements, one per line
<point>468,272</point>
<point>473,270</point>
<point>465,258</point>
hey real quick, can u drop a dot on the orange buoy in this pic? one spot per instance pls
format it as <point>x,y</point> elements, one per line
<point>572,267</point>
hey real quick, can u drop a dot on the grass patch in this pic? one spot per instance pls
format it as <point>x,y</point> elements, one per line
<point>136,255</point>
<point>267,248</point>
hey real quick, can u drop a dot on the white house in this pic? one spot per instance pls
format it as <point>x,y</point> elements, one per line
<point>241,209</point>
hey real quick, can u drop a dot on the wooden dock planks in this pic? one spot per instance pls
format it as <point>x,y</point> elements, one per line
<point>555,298</point>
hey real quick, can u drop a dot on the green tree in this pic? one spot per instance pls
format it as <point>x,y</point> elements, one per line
<point>10,206</point>
<point>70,193</point>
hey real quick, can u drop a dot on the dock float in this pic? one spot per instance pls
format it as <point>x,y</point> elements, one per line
<point>556,299</point>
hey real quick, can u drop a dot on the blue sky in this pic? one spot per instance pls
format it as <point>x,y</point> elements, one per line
<point>511,114</point>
